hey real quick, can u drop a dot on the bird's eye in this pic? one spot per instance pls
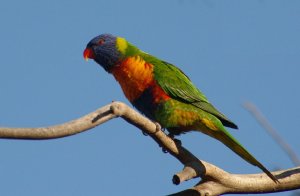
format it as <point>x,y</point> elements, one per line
<point>101,41</point>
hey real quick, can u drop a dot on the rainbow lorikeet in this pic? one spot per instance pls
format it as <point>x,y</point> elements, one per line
<point>163,92</point>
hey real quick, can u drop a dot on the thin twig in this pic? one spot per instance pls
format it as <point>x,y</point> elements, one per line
<point>261,119</point>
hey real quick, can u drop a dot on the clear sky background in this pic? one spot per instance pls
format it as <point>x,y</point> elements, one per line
<point>234,51</point>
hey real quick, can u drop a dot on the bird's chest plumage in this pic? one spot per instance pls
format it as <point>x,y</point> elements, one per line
<point>134,76</point>
<point>138,84</point>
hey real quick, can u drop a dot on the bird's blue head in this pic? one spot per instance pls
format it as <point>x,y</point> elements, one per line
<point>106,49</point>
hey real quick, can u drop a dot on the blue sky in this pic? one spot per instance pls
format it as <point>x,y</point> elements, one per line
<point>234,51</point>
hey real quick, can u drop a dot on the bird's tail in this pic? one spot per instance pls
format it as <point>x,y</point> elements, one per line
<point>227,139</point>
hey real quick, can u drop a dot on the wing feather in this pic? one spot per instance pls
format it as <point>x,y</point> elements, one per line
<point>177,85</point>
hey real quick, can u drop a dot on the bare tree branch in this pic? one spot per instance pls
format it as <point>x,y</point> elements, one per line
<point>215,181</point>
<point>70,128</point>
<point>272,132</point>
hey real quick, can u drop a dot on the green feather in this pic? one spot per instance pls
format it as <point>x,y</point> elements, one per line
<point>178,86</point>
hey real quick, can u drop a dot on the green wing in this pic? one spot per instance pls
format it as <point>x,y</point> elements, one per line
<point>177,85</point>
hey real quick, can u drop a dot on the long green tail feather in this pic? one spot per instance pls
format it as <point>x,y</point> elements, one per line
<point>235,146</point>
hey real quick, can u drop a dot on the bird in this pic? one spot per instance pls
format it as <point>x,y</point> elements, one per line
<point>164,93</point>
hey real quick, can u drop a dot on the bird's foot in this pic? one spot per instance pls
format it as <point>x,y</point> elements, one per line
<point>158,128</point>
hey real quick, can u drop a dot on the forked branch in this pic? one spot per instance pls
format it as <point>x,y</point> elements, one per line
<point>215,181</point>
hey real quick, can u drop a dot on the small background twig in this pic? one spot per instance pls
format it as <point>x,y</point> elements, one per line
<point>261,119</point>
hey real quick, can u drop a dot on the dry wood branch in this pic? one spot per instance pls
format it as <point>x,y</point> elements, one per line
<point>215,181</point>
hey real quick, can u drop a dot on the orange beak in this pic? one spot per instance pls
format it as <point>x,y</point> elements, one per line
<point>88,54</point>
